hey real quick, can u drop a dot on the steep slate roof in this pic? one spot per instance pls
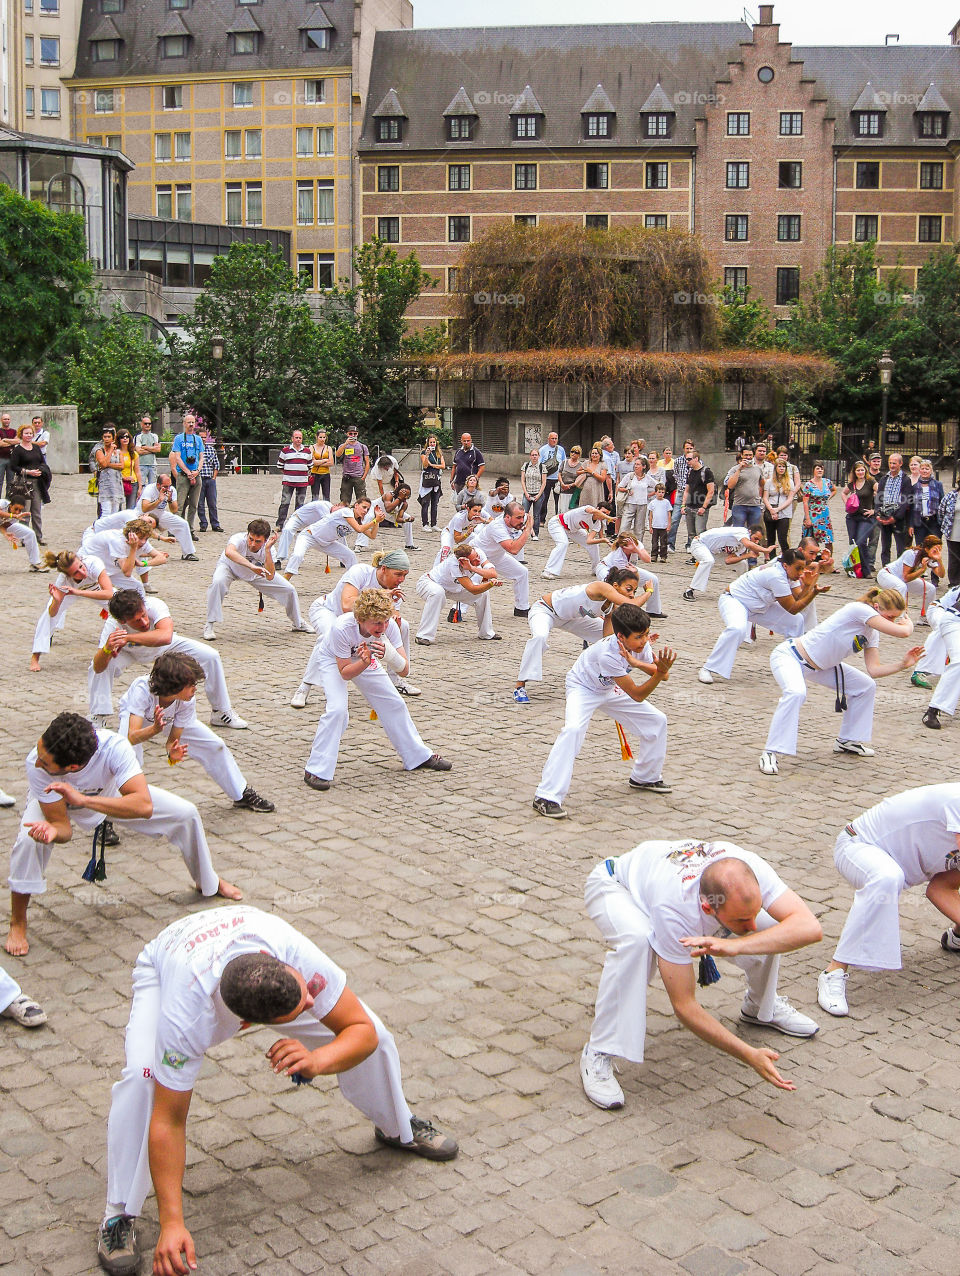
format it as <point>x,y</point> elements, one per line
<point>172,24</point>
<point>242,22</point>
<point>658,103</point>
<point>526,103</point>
<point>598,103</point>
<point>869,100</point>
<point>106,29</point>
<point>461,104</point>
<point>390,107</point>
<point>932,100</point>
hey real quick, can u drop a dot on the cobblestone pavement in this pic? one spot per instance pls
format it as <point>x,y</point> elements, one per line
<point>458,915</point>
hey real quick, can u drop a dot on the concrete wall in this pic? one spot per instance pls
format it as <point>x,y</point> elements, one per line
<point>61,421</point>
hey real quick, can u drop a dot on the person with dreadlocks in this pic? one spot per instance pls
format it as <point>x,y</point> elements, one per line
<point>13,507</point>
<point>79,777</point>
<point>200,982</point>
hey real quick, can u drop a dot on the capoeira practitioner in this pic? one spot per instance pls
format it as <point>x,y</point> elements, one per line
<point>126,554</point>
<point>580,610</point>
<point>115,522</point>
<point>164,703</point>
<point>77,777</point>
<point>464,524</point>
<point>664,903</point>
<point>628,552</point>
<point>601,680</point>
<point>498,498</point>
<point>585,526</point>
<point>329,534</point>
<point>736,543</point>
<point>386,571</point>
<point>17,532</point>
<point>247,557</point>
<point>773,596</point>
<point>81,576</point>
<point>392,508</point>
<point>196,985</point>
<point>301,518</point>
<point>356,650</point>
<point>140,629</point>
<point>501,543</point>
<point>16,1005</point>
<point>908,839</point>
<point>464,579</point>
<point>818,656</point>
<point>908,574</point>
<point>942,645</point>
<point>159,500</point>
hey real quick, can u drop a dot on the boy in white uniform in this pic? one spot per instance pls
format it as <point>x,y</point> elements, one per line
<point>127,554</point>
<point>464,525</point>
<point>501,543</point>
<point>943,645</point>
<point>247,557</point>
<point>906,840</point>
<point>165,702</point>
<point>498,499</point>
<point>301,518</point>
<point>463,578</point>
<point>196,985</point>
<point>664,903</point>
<point>78,777</point>
<point>737,543</point>
<point>18,532</point>
<point>390,506</point>
<point>159,500</point>
<point>584,526</point>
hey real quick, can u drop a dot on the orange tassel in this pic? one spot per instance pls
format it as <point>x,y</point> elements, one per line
<point>625,751</point>
<point>104,614</point>
<point>373,715</point>
<point>326,569</point>
<point>260,608</point>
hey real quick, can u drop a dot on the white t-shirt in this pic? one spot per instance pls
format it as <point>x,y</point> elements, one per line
<point>113,764</point>
<point>94,567</point>
<point>344,637</point>
<point>578,520</point>
<point>311,513</point>
<point>256,558</point>
<point>112,549</point>
<point>664,880</point>
<point>334,526</point>
<point>619,558</point>
<point>138,701</point>
<point>917,828</point>
<point>151,492</point>
<point>760,588</point>
<point>189,958</point>
<point>636,489</point>
<point>494,505</point>
<point>597,667</point>
<point>488,537</point>
<point>155,608</point>
<point>909,558</point>
<point>660,511</point>
<point>448,573</point>
<point>723,540</point>
<point>360,576</point>
<point>573,603</point>
<point>843,633</point>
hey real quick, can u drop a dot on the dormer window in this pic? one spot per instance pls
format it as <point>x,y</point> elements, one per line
<point>316,38</point>
<point>598,114</point>
<point>389,129</point>
<point>525,126</point>
<point>174,46</point>
<point>933,124</point>
<point>658,125</point>
<point>527,116</point>
<point>244,42</point>
<point>657,114</point>
<point>388,119</point>
<point>104,50</point>
<point>316,30</point>
<point>932,113</point>
<point>460,128</point>
<point>597,124</point>
<point>868,123</point>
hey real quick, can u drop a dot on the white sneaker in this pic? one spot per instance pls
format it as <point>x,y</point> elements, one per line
<point>101,720</point>
<point>599,1084</point>
<point>853,746</point>
<point>6,799</point>
<point>228,720</point>
<point>832,992</point>
<point>25,1011</point>
<point>209,634</point>
<point>303,628</point>
<point>769,764</point>
<point>784,1018</point>
<point>300,697</point>
<point>406,688</point>
<point>705,675</point>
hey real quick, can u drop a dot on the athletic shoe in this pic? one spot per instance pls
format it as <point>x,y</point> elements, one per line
<point>552,810</point>
<point>189,558</point>
<point>435,763</point>
<point>315,782</point>
<point>300,697</point>
<point>427,1141</point>
<point>406,688</point>
<point>209,634</point>
<point>931,719</point>
<point>651,786</point>
<point>522,612</point>
<point>38,567</point>
<point>950,941</point>
<point>303,628</point>
<point>117,1246</point>
<point>784,1018</point>
<point>228,720</point>
<point>768,763</point>
<point>520,696</point>
<point>689,595</point>
<point>923,620</point>
<point>110,836</point>
<point>150,589</point>
<point>252,801</point>
<point>599,1084</point>
<point>657,615</point>
<point>199,530</point>
<point>25,1011</point>
<point>218,529</point>
<point>692,562</point>
<point>705,675</point>
<point>535,537</point>
<point>919,679</point>
<point>423,642</point>
<point>6,799</point>
<point>101,720</point>
<point>832,992</point>
<point>550,575</point>
<point>491,637</point>
<point>853,746</point>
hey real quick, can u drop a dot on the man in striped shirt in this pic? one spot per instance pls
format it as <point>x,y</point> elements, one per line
<point>294,461</point>
<point>209,468</point>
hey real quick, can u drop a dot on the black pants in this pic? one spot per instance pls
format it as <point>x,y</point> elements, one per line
<point>781,527</point>
<point>896,533</point>
<point>429,505</point>
<point>953,563</point>
<point>658,546</point>
<point>319,483</point>
<point>287,493</point>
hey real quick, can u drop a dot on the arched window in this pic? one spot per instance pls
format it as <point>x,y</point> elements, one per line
<point>65,194</point>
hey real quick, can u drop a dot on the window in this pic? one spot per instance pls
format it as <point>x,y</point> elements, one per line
<point>95,139</point>
<point>929,230</point>
<point>111,6</point>
<point>520,219</point>
<point>245,42</point>
<point>868,175</point>
<point>305,214</point>
<point>453,279</point>
<point>161,147</point>
<point>181,146</point>
<point>932,124</point>
<point>234,204</point>
<point>104,101</point>
<point>525,177</point>
<point>788,227</point>
<point>28,101</point>
<point>791,123</point>
<point>184,203</point>
<point>164,201</point>
<point>738,123</point>
<point>173,97</point>
<point>788,284</point>
<point>388,229</point>
<point>388,177</point>
<point>738,175</point>
<point>28,50</point>
<point>388,129</point>
<point>655,221</point>
<point>737,227</point>
<point>49,6</point>
<point>325,270</point>
<point>243,95</point>
<point>868,123</point>
<point>325,140</point>
<point>178,4</point>
<point>305,140</point>
<point>931,177</point>
<point>50,103</point>
<point>458,177</point>
<point>314,92</point>
<point>735,279</point>
<point>596,221</point>
<point>865,226</point>
<point>174,46</point>
<point>597,177</point>
<point>49,50</point>
<point>765,75</point>
<point>316,38</point>
<point>114,141</point>
<point>657,176</point>
<point>790,175</point>
<point>460,128</point>
<point>526,126</point>
<point>458,230</point>
<point>325,214</point>
<point>231,144</point>
<point>253,143</point>
<point>254,194</point>
<point>104,50</point>
<point>28,6</point>
<point>597,125</point>
<point>658,125</point>
<point>305,269</point>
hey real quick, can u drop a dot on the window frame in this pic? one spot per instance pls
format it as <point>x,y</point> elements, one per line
<point>173,88</point>
<point>738,165</point>
<point>596,221</point>
<point>326,186</point>
<point>180,190</point>
<point>522,126</point>
<point>316,96</point>
<point>50,39</point>
<point>233,190</point>
<point>247,134</point>
<point>655,221</point>
<point>162,148</point>
<point>789,186</point>
<point>739,116</point>
<point>180,154</point>
<point>659,166</point>
<point>390,128</point>
<point>45,113</point>
<point>652,125</point>
<point>455,177</point>
<point>862,166</point>
<point>859,218</point>
<point>455,221</point>
<point>384,186</point>
<point>932,166</point>
<point>735,222</point>
<point>790,219</point>
<point>163,190</point>
<point>929,221</point>
<point>525,168</point>
<point>873,120</point>
<point>305,187</point>
<point>298,133</point>
<point>791,116</point>
<point>597,184</point>
<point>782,276</point>
<point>597,124</point>
<point>236,138</point>
<point>100,95</point>
<point>460,128</point>
<point>242,87</point>
<point>256,189</point>
<point>388,224</point>
<point>323,129</point>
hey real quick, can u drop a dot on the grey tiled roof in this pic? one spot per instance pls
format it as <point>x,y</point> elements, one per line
<point>598,103</point>
<point>868,100</point>
<point>171,24</point>
<point>526,103</point>
<point>657,103</point>
<point>242,22</point>
<point>932,100</point>
<point>390,107</point>
<point>106,29</point>
<point>461,104</point>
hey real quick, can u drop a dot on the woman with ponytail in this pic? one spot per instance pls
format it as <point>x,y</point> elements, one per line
<point>80,577</point>
<point>907,574</point>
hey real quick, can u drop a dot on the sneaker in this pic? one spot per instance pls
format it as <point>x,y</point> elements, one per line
<point>228,720</point>
<point>406,688</point>
<point>522,612</point>
<point>427,1141</point>
<point>423,642</point>
<point>768,763</point>
<point>6,799</point>
<point>535,536</point>
<point>550,575</point>
<point>651,786</point>
<point>189,558</point>
<point>931,719</point>
<point>657,615</point>
<point>689,595</point>
<point>599,1084</point>
<point>110,836</point>
<point>552,810</point>
<point>117,1247</point>
<point>101,720</point>
<point>490,637</point>
<point>832,992</point>
<point>692,562</point>
<point>918,679</point>
<point>950,941</point>
<point>150,589</point>
<point>218,529</point>
<point>303,628</point>
<point>315,782</point>
<point>520,695</point>
<point>784,1018</point>
<point>705,675</point>
<point>209,633</point>
<point>434,763</point>
<point>300,697</point>
<point>252,801</point>
<point>24,1011</point>
<point>38,567</point>
<point>853,746</point>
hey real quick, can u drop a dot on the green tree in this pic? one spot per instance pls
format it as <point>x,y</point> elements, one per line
<point>745,323</point>
<point>926,344</point>
<point>117,374</point>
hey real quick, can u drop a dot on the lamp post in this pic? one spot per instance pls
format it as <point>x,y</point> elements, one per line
<point>216,353</point>
<point>886,365</point>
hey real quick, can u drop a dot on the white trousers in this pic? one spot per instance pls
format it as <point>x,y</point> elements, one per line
<point>705,562</point>
<point>792,677</point>
<point>381,695</point>
<point>278,589</point>
<point>10,990</point>
<point>27,537</point>
<point>374,1087</point>
<point>291,528</point>
<point>509,568</point>
<point>947,693</point>
<point>562,537</point>
<point>637,717</point>
<point>542,621</point>
<point>871,934</point>
<point>336,548</point>
<point>119,581</point>
<point>435,597</point>
<point>176,526</point>
<point>737,621</point>
<point>100,685</point>
<point>363,541</point>
<point>110,504</point>
<point>207,748</point>
<point>173,817</point>
<point>47,625</point>
<point>921,589</point>
<point>620,1019</point>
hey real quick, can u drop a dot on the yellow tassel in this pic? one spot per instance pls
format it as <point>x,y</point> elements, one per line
<point>373,715</point>
<point>625,753</point>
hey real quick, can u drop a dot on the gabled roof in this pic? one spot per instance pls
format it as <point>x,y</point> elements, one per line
<point>174,25</point>
<point>526,103</point>
<point>598,103</point>
<point>390,107</point>
<point>316,19</point>
<point>932,100</point>
<point>658,103</point>
<point>461,104</point>
<point>243,22</point>
<point>106,29</point>
<point>869,100</point>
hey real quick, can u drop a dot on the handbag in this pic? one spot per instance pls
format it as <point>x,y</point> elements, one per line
<point>93,485</point>
<point>851,564</point>
<point>853,503</point>
<point>552,465</point>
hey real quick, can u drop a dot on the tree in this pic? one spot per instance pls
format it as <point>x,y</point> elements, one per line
<point>117,374</point>
<point>926,344</point>
<point>745,323</point>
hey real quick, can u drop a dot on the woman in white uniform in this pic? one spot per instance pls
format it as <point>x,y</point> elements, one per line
<point>391,506</point>
<point>583,525</point>
<point>126,554</point>
<point>329,535</point>
<point>908,573</point>
<point>736,543</point>
<point>817,656</point>
<point>463,578</point>
<point>301,518</point>
<point>629,552</point>
<point>80,577</point>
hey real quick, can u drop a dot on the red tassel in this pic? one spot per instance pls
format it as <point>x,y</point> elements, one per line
<point>104,614</point>
<point>626,753</point>
<point>453,615</point>
<point>373,715</point>
<point>260,608</point>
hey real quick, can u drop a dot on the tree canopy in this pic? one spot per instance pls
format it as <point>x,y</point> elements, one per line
<point>117,373</point>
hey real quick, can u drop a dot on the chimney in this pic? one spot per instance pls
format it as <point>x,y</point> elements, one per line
<point>955,34</point>
<point>766,16</point>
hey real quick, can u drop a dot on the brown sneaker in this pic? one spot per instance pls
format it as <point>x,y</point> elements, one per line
<point>315,782</point>
<point>435,763</point>
<point>117,1247</point>
<point>427,1141</point>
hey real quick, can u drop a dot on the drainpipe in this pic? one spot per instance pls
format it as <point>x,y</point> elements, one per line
<point>833,203</point>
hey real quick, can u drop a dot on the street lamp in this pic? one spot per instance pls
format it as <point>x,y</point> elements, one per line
<point>886,365</point>
<point>216,353</point>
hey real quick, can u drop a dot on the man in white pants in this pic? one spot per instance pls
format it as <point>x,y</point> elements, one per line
<point>464,579</point>
<point>908,839</point>
<point>78,777</point>
<point>501,542</point>
<point>139,629</point>
<point>328,535</point>
<point>773,596</point>
<point>301,518</point>
<point>943,645</point>
<point>197,985</point>
<point>737,543</point>
<point>247,557</point>
<point>664,903</point>
<point>583,525</point>
<point>159,500</point>
<point>126,553</point>
<point>16,1005</point>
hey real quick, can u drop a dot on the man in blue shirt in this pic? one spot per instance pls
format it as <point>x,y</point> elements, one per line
<point>186,456</point>
<point>552,457</point>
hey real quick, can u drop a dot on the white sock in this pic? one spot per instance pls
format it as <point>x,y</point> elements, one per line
<point>112,1211</point>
